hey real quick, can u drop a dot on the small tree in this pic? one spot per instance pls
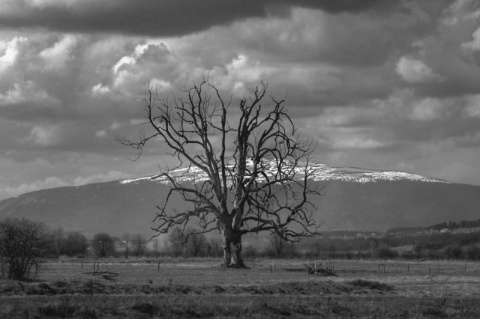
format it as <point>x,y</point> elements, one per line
<point>213,248</point>
<point>75,244</point>
<point>196,243</point>
<point>58,241</point>
<point>138,244</point>
<point>156,245</point>
<point>276,246</point>
<point>103,245</point>
<point>253,168</point>
<point>24,244</point>
<point>176,238</point>
<point>279,247</point>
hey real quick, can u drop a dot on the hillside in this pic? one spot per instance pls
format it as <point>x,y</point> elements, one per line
<point>353,199</point>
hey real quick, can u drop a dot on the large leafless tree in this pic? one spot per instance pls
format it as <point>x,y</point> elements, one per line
<point>251,167</point>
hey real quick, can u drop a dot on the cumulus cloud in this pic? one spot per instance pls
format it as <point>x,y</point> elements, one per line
<point>45,135</point>
<point>473,45</point>
<point>427,109</point>
<point>416,71</point>
<point>99,90</point>
<point>10,52</point>
<point>472,106</point>
<point>57,56</point>
<point>101,133</point>
<point>447,52</point>
<point>116,125</point>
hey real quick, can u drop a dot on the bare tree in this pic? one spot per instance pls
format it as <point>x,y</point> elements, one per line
<point>103,245</point>
<point>139,244</point>
<point>176,239</point>
<point>276,245</point>
<point>253,167</point>
<point>24,244</point>
<point>196,242</point>
<point>58,241</point>
<point>75,244</point>
<point>156,245</point>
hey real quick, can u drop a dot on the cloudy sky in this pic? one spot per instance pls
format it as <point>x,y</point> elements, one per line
<point>378,84</point>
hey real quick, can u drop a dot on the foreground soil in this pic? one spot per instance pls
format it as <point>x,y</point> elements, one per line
<point>273,289</point>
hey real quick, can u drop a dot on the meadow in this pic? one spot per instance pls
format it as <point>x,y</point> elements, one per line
<point>270,288</point>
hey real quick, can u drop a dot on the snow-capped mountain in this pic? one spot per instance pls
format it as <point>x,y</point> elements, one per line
<point>319,173</point>
<point>353,199</point>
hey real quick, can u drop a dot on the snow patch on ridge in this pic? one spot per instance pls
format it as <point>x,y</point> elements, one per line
<point>320,172</point>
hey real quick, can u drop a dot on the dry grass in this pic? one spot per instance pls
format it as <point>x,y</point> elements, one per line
<point>201,289</point>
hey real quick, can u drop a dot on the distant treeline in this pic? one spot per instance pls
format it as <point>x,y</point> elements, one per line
<point>445,225</point>
<point>462,242</point>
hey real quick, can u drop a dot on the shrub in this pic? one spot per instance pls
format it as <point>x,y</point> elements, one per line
<point>385,252</point>
<point>139,244</point>
<point>214,248</point>
<point>370,284</point>
<point>23,246</point>
<point>472,252</point>
<point>75,244</point>
<point>195,245</point>
<point>250,251</point>
<point>453,251</point>
<point>103,245</point>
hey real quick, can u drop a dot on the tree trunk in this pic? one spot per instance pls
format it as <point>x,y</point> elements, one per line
<point>232,245</point>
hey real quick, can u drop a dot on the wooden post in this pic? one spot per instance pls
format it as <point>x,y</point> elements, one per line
<point>408,267</point>
<point>158,267</point>
<point>383,268</point>
<point>81,263</point>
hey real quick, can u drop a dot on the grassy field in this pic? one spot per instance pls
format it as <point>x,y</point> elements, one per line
<point>188,288</point>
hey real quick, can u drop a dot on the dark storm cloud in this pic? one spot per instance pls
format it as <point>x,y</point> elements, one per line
<point>155,18</point>
<point>337,6</point>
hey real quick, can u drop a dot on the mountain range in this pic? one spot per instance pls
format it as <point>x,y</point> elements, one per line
<point>352,199</point>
